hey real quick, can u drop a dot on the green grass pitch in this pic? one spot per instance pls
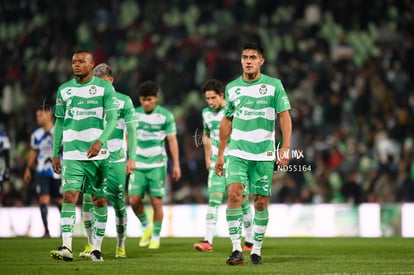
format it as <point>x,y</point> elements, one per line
<point>335,256</point>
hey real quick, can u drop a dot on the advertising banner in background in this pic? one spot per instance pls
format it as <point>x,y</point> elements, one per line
<point>296,220</point>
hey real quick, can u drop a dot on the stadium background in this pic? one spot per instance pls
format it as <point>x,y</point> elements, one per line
<point>347,67</point>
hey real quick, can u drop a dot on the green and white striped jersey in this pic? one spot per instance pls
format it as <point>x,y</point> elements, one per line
<point>117,141</point>
<point>152,130</point>
<point>253,107</point>
<point>211,124</point>
<point>83,107</point>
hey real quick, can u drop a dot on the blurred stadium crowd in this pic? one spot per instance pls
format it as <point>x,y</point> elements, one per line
<point>348,68</point>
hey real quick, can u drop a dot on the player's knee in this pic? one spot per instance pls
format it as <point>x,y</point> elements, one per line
<point>134,200</point>
<point>260,202</point>
<point>234,197</point>
<point>156,202</point>
<point>44,199</point>
<point>99,201</point>
<point>70,196</point>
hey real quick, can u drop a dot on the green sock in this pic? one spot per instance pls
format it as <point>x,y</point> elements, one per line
<point>67,220</point>
<point>157,229</point>
<point>121,222</point>
<point>234,219</point>
<point>87,215</point>
<point>100,217</point>
<point>261,219</point>
<point>211,217</point>
<point>143,218</point>
<point>247,221</point>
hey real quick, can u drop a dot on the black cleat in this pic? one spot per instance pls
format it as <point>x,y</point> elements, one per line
<point>236,258</point>
<point>255,259</point>
<point>96,256</point>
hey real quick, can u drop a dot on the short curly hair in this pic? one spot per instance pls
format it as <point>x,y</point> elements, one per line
<point>213,85</point>
<point>148,88</point>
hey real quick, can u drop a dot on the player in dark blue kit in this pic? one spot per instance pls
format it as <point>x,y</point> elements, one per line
<point>48,183</point>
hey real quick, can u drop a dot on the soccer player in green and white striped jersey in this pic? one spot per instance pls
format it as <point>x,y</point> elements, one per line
<point>254,101</point>
<point>155,124</point>
<point>82,104</point>
<point>213,91</point>
<point>118,169</point>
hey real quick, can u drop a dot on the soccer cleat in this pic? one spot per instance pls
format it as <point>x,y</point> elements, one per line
<point>146,237</point>
<point>96,256</point>
<point>62,253</point>
<point>236,258</point>
<point>120,252</point>
<point>203,246</point>
<point>255,259</point>
<point>46,235</point>
<point>86,253</point>
<point>154,244</point>
<point>247,246</point>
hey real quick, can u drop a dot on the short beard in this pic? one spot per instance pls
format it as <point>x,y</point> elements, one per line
<point>80,77</point>
<point>251,76</point>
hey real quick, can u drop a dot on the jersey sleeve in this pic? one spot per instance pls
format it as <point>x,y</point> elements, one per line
<point>229,109</point>
<point>111,112</point>
<point>206,129</point>
<point>129,111</point>
<point>60,107</point>
<point>110,101</point>
<point>281,100</point>
<point>33,144</point>
<point>170,126</point>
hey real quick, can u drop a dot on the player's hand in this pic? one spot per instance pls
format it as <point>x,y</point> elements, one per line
<point>176,172</point>
<point>282,157</point>
<point>27,176</point>
<point>93,151</point>
<point>56,165</point>
<point>219,166</point>
<point>130,166</point>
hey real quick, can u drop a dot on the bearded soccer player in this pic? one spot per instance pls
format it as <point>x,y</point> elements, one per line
<point>254,101</point>
<point>82,105</point>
